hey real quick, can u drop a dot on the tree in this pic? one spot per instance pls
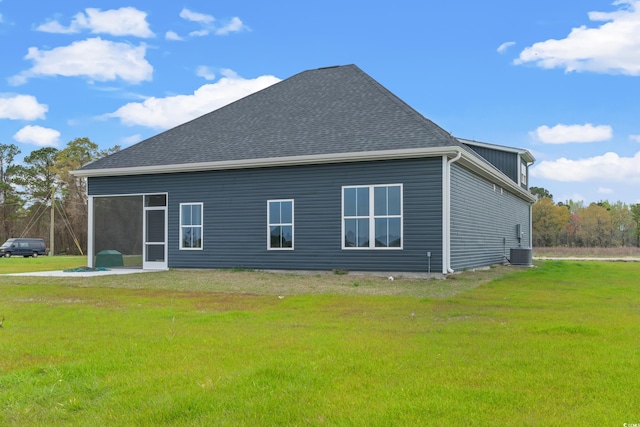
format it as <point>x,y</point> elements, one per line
<point>10,201</point>
<point>76,154</point>
<point>38,176</point>
<point>37,179</point>
<point>623,224</point>
<point>574,207</point>
<point>572,230</point>
<point>595,226</point>
<point>635,212</point>
<point>549,222</point>
<point>540,192</point>
<point>73,190</point>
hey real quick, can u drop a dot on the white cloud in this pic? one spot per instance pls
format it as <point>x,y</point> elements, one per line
<point>126,21</point>
<point>205,72</point>
<point>635,138</point>
<point>164,113</point>
<point>504,46</point>
<point>609,167</point>
<point>94,58</point>
<point>172,35</point>
<point>56,27</point>
<point>38,135</point>
<point>611,48</point>
<point>233,26</point>
<point>196,17</point>
<point>199,33</point>
<point>207,25</point>
<point>563,134</point>
<point>21,107</point>
<point>605,190</point>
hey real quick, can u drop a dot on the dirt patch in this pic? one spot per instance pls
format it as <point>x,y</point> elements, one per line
<point>574,252</point>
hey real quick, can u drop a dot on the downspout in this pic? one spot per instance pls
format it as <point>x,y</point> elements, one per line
<point>531,226</point>
<point>446,210</point>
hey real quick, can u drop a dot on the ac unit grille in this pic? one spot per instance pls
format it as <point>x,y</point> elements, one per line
<point>522,256</point>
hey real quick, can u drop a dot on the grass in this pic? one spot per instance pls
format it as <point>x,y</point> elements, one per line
<point>42,263</point>
<point>246,281</point>
<point>554,345</point>
<point>48,263</point>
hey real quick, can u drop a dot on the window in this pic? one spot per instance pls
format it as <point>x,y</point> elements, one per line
<point>155,200</point>
<point>372,217</point>
<point>280,224</point>
<point>190,225</point>
<point>523,173</point>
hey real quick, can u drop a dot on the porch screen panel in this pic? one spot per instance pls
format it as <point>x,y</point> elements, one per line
<point>117,225</point>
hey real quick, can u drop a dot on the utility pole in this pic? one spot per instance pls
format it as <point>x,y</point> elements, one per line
<point>52,229</point>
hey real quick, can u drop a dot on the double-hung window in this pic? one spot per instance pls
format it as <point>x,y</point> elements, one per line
<point>523,173</point>
<point>280,224</point>
<point>372,217</point>
<point>191,226</point>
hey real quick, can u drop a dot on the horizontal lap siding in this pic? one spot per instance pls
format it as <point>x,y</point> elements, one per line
<point>480,218</point>
<point>235,214</point>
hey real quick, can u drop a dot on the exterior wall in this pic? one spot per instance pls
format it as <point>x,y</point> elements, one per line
<point>235,214</point>
<point>483,221</point>
<point>507,162</point>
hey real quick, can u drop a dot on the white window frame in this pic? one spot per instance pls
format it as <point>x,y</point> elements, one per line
<point>523,173</point>
<point>372,217</point>
<point>280,224</point>
<point>201,226</point>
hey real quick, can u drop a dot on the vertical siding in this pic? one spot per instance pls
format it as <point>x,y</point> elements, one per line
<point>481,217</point>
<point>235,214</point>
<point>505,161</point>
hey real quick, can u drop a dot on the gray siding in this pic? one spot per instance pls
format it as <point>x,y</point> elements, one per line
<point>504,161</point>
<point>235,214</point>
<point>481,217</point>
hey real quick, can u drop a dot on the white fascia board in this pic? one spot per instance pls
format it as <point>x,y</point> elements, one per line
<point>271,162</point>
<point>525,154</point>
<point>471,160</point>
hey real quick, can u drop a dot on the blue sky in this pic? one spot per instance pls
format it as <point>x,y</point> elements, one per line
<point>561,79</point>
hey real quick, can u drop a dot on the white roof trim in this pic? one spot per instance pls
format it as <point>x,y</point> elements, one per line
<point>471,160</point>
<point>270,162</point>
<point>525,154</point>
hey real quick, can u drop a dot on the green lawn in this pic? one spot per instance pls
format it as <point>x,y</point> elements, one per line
<point>554,345</point>
<point>42,263</point>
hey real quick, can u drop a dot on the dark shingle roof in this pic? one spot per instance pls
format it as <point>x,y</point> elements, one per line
<point>323,111</point>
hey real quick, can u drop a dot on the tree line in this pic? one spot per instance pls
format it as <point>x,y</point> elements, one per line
<point>44,179</point>
<point>570,223</point>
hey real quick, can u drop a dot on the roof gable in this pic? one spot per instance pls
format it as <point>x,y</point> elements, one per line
<point>314,113</point>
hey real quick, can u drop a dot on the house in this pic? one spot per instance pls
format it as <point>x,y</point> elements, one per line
<point>324,170</point>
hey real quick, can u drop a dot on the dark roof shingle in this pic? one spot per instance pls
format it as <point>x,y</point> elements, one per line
<point>323,111</point>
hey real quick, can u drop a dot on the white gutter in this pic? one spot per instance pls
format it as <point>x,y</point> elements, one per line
<point>359,156</point>
<point>470,160</point>
<point>446,211</point>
